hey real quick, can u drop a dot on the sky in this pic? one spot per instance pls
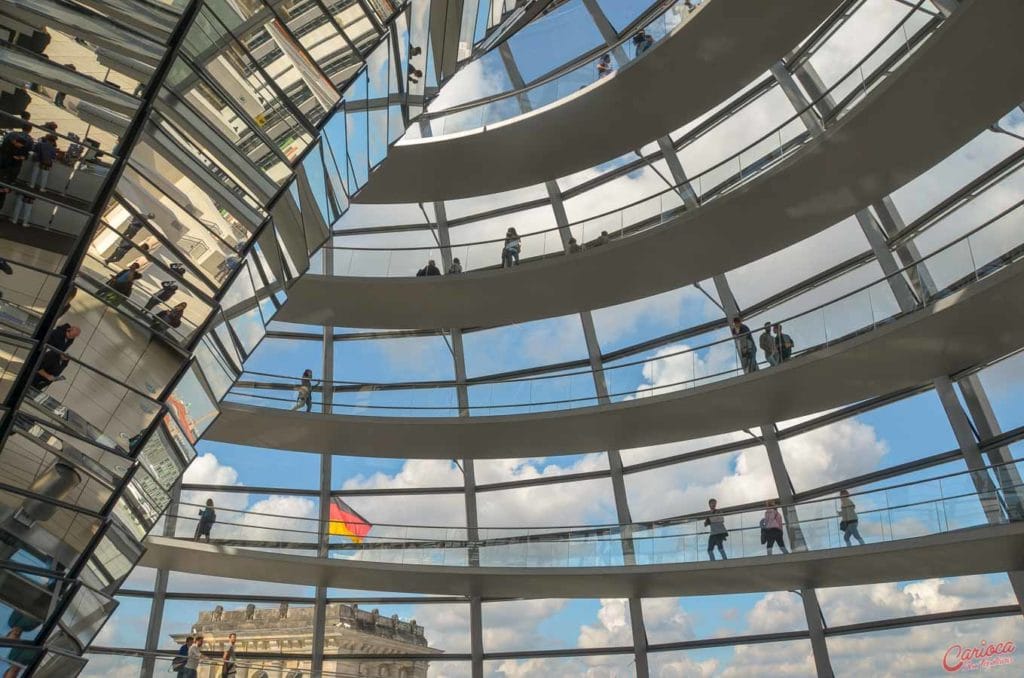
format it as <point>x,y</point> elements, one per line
<point>902,431</point>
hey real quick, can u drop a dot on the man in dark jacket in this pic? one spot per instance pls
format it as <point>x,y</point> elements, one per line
<point>55,358</point>
<point>745,345</point>
<point>430,269</point>
<point>168,288</point>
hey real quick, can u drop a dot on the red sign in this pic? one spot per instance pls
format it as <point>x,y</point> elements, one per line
<point>983,656</point>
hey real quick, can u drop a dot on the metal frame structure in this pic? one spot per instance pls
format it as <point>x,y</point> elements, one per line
<point>976,429</point>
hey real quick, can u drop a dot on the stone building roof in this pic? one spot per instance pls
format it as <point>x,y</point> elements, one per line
<point>261,621</point>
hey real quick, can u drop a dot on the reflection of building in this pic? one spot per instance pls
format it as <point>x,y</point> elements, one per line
<point>289,631</point>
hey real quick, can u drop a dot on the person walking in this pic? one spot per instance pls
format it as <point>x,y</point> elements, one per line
<point>195,655</point>
<point>229,669</point>
<point>168,288</point>
<point>783,343</point>
<point>305,392</point>
<point>207,517</point>
<point>768,345</point>
<point>848,518</point>
<point>510,251</point>
<point>604,65</point>
<point>744,345</point>
<point>456,267</point>
<point>773,528</point>
<point>717,534</point>
<point>125,244</point>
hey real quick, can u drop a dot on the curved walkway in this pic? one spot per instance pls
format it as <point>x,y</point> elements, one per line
<point>954,86</point>
<point>977,324</point>
<point>998,548</point>
<point>718,49</point>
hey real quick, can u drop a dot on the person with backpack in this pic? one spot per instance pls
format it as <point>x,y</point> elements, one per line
<point>207,517</point>
<point>848,518</point>
<point>179,661</point>
<point>123,282</point>
<point>717,534</point>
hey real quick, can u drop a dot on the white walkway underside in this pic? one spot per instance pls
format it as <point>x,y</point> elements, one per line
<point>720,49</point>
<point>958,83</point>
<point>977,324</point>
<point>992,549</point>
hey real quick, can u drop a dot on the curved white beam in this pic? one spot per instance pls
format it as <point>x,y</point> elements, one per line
<point>975,325</point>
<point>957,83</point>
<point>997,548</point>
<point>720,48</point>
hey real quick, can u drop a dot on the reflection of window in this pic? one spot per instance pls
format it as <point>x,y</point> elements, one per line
<point>261,674</point>
<point>294,673</point>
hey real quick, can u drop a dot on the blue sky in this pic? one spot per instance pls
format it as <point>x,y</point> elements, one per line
<point>888,436</point>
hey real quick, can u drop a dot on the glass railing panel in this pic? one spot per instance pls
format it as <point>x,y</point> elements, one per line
<point>357,132</point>
<point>898,512</point>
<point>190,405</point>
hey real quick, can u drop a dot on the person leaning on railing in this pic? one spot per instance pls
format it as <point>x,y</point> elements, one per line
<point>510,250</point>
<point>430,269</point>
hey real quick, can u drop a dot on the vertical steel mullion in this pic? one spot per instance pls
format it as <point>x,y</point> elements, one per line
<point>156,611</point>
<point>468,468</point>
<point>268,81</point>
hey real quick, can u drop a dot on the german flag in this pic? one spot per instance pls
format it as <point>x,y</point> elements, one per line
<point>345,521</point>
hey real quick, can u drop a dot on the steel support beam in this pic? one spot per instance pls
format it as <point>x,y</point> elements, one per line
<point>920,287</point>
<point>468,468</point>
<point>156,610</point>
<point>323,547</point>
<point>608,33</point>
<point>616,475</point>
<point>816,630</point>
